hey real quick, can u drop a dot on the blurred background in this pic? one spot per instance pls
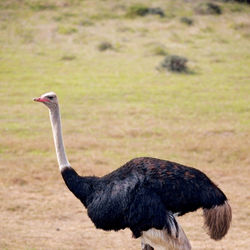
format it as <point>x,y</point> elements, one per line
<point>164,78</point>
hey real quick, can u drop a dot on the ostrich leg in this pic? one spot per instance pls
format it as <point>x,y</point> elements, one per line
<point>146,246</point>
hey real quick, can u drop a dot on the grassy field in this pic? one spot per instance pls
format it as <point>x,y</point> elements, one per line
<point>115,106</point>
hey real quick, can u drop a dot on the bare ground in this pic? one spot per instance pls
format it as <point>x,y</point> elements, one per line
<point>42,214</point>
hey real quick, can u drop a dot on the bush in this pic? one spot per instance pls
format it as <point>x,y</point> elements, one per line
<point>137,10</point>
<point>208,9</point>
<point>240,1</point>
<point>243,1</point>
<point>105,46</point>
<point>142,10</point>
<point>187,20</point>
<point>174,63</point>
<point>156,11</point>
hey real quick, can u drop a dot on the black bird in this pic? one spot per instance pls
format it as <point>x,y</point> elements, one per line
<point>145,195</point>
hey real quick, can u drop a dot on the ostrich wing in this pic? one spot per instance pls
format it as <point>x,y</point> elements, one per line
<point>123,200</point>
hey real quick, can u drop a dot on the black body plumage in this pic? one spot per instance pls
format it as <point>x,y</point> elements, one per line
<point>144,193</point>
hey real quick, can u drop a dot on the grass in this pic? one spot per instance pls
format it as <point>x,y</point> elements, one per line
<point>116,106</point>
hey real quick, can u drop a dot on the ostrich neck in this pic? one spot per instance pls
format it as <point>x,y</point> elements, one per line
<point>58,139</point>
<point>79,186</point>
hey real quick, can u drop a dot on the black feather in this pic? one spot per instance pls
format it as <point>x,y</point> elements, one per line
<point>144,194</point>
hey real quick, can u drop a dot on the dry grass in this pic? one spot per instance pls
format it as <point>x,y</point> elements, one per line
<point>116,106</point>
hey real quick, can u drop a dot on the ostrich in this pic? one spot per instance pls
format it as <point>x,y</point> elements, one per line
<point>145,195</point>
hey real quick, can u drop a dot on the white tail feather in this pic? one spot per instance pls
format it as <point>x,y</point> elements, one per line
<point>161,240</point>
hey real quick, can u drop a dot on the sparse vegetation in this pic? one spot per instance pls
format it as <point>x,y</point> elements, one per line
<point>242,1</point>
<point>68,57</point>
<point>41,5</point>
<point>137,10</point>
<point>86,22</point>
<point>174,63</point>
<point>187,20</point>
<point>159,50</point>
<point>66,30</point>
<point>105,46</point>
<point>208,8</point>
<point>156,11</point>
<point>142,10</point>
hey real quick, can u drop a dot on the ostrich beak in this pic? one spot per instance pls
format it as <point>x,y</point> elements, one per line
<point>40,99</point>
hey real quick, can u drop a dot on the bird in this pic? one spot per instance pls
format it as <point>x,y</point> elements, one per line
<point>145,195</point>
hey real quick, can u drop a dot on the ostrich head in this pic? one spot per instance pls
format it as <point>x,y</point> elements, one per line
<point>49,99</point>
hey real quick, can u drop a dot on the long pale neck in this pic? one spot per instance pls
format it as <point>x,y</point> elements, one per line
<point>58,139</point>
<point>79,186</point>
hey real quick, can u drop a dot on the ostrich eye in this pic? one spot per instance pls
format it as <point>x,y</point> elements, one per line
<point>50,97</point>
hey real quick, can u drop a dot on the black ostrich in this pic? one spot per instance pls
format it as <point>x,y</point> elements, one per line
<point>145,195</point>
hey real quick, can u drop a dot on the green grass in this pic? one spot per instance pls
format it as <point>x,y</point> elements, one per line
<point>116,105</point>
<point>123,80</point>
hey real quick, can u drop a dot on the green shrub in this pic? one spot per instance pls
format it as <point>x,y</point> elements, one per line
<point>137,10</point>
<point>240,1</point>
<point>187,20</point>
<point>156,11</point>
<point>208,9</point>
<point>142,10</point>
<point>174,63</point>
<point>103,46</point>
